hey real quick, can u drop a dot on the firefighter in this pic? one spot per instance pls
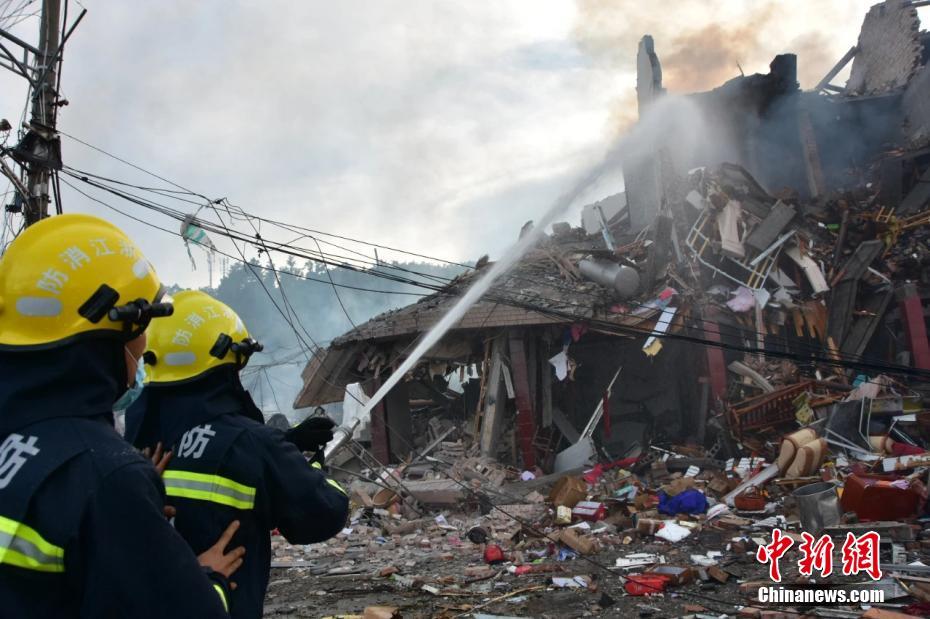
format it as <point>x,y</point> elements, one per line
<point>82,525</point>
<point>227,465</point>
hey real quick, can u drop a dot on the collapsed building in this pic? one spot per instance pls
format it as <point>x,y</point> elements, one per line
<point>778,261</point>
<point>733,346</point>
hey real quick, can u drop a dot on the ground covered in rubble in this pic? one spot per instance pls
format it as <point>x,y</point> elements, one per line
<point>357,563</point>
<point>430,568</point>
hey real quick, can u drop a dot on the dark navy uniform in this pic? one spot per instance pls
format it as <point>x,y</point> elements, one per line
<point>228,466</point>
<point>82,529</point>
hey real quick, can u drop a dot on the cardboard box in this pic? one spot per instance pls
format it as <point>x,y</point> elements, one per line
<point>568,491</point>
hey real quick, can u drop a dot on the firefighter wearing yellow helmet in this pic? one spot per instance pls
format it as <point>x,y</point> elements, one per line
<point>82,530</point>
<point>227,465</point>
<point>202,334</point>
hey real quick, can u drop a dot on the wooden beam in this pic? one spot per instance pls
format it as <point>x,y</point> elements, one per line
<point>836,68</point>
<point>545,380</point>
<point>380,448</point>
<point>526,415</point>
<point>915,329</point>
<point>493,402</point>
<point>811,153</point>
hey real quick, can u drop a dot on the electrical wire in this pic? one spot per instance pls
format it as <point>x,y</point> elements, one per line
<point>230,256</point>
<point>740,331</point>
<point>813,355</point>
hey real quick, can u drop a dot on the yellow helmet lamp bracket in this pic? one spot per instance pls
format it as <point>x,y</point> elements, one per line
<point>243,350</point>
<point>224,344</point>
<point>135,315</point>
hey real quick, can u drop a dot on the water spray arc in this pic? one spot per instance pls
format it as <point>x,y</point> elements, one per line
<point>671,122</point>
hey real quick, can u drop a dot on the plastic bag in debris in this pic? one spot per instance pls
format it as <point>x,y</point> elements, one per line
<point>742,301</point>
<point>560,363</point>
<point>690,501</point>
<point>673,532</point>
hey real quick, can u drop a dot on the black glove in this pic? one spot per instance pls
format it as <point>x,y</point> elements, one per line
<point>312,434</point>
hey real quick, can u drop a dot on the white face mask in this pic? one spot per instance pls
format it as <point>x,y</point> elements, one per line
<point>133,392</point>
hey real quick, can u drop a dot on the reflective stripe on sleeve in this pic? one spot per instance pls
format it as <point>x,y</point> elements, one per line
<point>222,594</point>
<point>331,482</point>
<point>215,488</point>
<point>335,484</point>
<point>22,546</point>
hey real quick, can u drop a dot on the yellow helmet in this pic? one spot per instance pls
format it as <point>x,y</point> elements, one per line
<point>71,275</point>
<point>202,334</point>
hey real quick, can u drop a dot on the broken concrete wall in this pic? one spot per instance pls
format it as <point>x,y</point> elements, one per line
<point>642,175</point>
<point>889,50</point>
<point>916,103</point>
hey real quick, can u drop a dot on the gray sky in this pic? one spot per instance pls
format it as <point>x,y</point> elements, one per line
<point>439,127</point>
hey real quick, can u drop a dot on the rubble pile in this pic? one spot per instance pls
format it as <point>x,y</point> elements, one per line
<point>717,384</point>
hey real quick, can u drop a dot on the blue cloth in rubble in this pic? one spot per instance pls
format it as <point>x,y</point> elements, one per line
<point>690,501</point>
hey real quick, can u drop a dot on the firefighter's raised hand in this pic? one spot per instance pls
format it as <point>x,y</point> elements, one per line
<point>220,561</point>
<point>159,458</point>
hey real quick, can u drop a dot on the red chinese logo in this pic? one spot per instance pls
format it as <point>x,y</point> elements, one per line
<point>816,555</point>
<point>861,555</point>
<point>771,553</point>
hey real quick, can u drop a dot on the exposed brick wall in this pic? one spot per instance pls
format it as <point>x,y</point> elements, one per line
<point>889,49</point>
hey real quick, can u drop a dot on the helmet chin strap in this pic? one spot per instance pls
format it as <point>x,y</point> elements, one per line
<point>132,365</point>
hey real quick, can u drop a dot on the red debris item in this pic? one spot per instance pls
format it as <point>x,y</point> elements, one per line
<point>493,554</point>
<point>537,568</point>
<point>591,511</point>
<point>595,473</point>
<point>873,497</point>
<point>750,501</point>
<point>905,449</point>
<point>640,584</point>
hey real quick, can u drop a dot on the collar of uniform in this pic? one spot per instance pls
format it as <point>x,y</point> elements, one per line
<point>164,412</point>
<point>80,379</point>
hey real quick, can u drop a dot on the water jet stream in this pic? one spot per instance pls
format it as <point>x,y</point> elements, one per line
<point>670,122</point>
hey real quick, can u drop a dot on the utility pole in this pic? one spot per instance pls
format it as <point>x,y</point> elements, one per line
<point>44,111</point>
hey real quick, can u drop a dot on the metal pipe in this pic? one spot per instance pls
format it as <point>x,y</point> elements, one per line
<point>623,280</point>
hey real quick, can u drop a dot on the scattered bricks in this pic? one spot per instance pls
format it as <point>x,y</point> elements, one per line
<point>717,574</point>
<point>381,612</point>
<point>878,613</point>
<point>752,587</point>
<point>719,485</point>
<point>677,576</point>
<point>658,472</point>
<point>694,608</point>
<point>677,486</point>
<point>436,491</point>
<point>731,522</point>
<point>387,571</point>
<point>360,497</point>
<point>479,571</point>
<point>749,612</point>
